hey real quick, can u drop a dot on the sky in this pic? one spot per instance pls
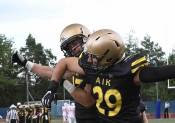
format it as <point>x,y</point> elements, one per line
<point>45,19</point>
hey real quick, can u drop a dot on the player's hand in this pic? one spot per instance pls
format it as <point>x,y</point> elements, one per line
<point>51,95</point>
<point>19,59</point>
<point>62,81</point>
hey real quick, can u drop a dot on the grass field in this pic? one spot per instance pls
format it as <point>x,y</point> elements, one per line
<point>149,120</point>
<point>161,120</point>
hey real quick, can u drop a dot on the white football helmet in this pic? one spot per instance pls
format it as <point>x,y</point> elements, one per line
<point>65,104</point>
<point>18,103</point>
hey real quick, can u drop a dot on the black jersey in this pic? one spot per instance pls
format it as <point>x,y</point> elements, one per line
<point>82,114</point>
<point>117,97</point>
<point>21,113</point>
<point>142,107</point>
<point>46,110</point>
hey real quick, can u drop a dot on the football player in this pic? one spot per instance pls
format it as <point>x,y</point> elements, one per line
<point>114,78</point>
<point>18,104</point>
<point>41,114</point>
<point>141,109</point>
<point>71,113</point>
<point>64,112</point>
<point>72,40</point>
<point>21,114</point>
<point>36,113</point>
<point>26,111</point>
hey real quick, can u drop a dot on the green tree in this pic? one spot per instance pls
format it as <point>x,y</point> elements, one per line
<point>131,44</point>
<point>36,53</point>
<point>152,50</point>
<point>170,91</point>
<point>156,57</point>
<point>7,73</point>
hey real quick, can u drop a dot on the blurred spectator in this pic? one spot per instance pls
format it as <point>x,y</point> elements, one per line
<point>167,105</point>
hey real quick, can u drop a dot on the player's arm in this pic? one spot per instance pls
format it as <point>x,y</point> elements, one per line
<point>154,74</point>
<point>81,96</point>
<point>87,88</point>
<point>146,74</point>
<point>84,97</point>
<point>42,71</point>
<point>145,120</point>
<point>7,117</point>
<point>71,64</point>
<point>49,113</point>
<point>34,112</point>
<point>17,117</point>
<point>46,71</point>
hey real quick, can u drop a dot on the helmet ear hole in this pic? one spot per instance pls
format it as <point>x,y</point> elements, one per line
<point>108,60</point>
<point>117,44</point>
<point>97,38</point>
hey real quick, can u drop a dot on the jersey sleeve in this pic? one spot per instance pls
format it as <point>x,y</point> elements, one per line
<point>137,61</point>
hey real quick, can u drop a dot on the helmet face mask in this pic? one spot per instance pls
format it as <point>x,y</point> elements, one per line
<point>92,64</point>
<point>108,48</point>
<point>73,32</point>
<point>70,45</point>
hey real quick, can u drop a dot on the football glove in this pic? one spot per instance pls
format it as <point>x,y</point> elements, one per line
<point>19,59</point>
<point>51,94</point>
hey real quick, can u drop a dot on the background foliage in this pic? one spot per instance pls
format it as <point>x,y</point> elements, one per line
<point>13,78</point>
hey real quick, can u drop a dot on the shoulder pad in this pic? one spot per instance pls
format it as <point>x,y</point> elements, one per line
<point>137,61</point>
